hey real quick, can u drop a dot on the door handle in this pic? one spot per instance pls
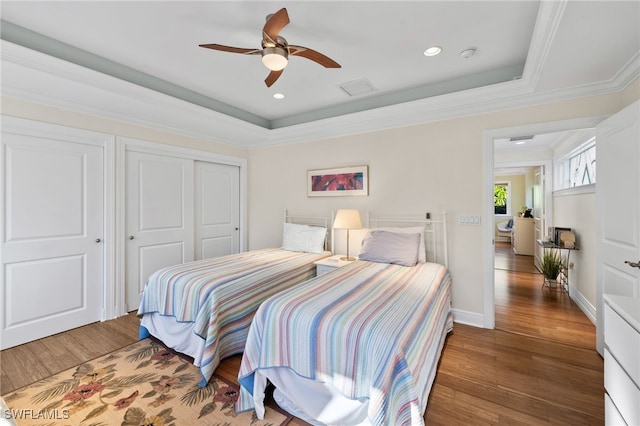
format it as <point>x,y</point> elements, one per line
<point>633,264</point>
<point>131,237</point>
<point>98,240</point>
<point>237,229</point>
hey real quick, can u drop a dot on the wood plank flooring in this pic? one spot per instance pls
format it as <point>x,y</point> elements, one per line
<point>523,306</point>
<point>538,366</point>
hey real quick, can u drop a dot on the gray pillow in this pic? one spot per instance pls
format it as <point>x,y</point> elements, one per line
<point>390,247</point>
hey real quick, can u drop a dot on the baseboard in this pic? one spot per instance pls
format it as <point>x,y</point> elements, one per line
<point>468,318</point>
<point>587,308</point>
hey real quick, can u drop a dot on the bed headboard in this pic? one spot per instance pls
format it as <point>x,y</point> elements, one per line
<point>315,220</point>
<point>435,232</point>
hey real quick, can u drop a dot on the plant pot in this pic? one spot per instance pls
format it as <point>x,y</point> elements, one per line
<point>550,282</point>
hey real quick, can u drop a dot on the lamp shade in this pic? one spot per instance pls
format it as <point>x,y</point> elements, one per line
<point>347,219</point>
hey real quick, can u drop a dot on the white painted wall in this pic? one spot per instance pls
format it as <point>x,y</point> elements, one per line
<point>578,212</point>
<point>430,167</point>
<point>23,109</point>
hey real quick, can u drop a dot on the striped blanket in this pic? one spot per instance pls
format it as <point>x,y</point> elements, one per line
<point>220,295</point>
<point>373,331</point>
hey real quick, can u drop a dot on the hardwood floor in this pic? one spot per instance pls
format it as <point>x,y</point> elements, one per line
<point>538,366</point>
<point>524,307</point>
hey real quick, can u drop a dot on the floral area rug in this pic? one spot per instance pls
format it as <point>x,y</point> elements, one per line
<point>141,384</point>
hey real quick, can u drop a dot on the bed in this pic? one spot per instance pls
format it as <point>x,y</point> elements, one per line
<point>204,308</point>
<point>359,345</point>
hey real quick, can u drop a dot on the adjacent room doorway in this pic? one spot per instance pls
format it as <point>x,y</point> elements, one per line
<point>489,247</point>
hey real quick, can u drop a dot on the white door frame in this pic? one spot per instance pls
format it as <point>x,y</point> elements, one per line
<point>124,144</point>
<point>487,206</point>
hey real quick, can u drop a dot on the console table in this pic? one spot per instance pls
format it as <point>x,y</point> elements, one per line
<point>564,287</point>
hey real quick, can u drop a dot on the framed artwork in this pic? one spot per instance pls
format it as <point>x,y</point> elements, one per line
<point>340,182</point>
<point>556,234</point>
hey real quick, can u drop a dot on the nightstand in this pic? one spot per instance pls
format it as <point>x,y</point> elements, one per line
<point>328,264</point>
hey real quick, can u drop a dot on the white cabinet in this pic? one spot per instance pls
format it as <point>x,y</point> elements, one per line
<point>524,236</point>
<point>622,359</point>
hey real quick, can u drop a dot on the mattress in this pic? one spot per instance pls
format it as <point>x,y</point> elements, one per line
<point>204,308</point>
<point>359,345</point>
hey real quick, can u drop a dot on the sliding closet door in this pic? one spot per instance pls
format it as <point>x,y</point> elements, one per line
<point>217,211</point>
<point>53,222</point>
<point>159,217</point>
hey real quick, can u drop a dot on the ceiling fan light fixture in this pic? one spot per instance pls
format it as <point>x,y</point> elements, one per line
<point>275,58</point>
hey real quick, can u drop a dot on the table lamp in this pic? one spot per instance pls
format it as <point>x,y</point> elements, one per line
<point>347,219</point>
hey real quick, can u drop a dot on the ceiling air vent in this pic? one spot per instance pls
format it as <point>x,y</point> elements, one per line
<point>357,87</point>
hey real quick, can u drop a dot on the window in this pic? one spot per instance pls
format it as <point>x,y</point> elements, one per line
<point>583,167</point>
<point>578,168</point>
<point>502,198</point>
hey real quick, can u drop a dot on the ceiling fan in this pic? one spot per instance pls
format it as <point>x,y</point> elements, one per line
<point>276,50</point>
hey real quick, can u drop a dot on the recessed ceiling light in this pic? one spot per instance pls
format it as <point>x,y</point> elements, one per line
<point>278,96</point>
<point>433,51</point>
<point>521,142</point>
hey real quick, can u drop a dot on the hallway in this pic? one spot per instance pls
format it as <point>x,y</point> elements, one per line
<point>524,307</point>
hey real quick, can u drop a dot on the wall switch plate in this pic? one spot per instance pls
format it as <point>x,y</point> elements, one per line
<point>469,220</point>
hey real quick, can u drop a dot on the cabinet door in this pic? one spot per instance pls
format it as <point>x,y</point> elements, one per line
<point>52,222</point>
<point>159,221</point>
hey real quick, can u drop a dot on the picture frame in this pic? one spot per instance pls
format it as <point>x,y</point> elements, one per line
<point>556,235</point>
<point>338,182</point>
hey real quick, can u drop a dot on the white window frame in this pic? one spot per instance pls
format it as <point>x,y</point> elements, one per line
<point>562,168</point>
<point>507,183</point>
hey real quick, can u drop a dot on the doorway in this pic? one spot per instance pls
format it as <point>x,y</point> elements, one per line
<point>522,304</point>
<point>489,138</point>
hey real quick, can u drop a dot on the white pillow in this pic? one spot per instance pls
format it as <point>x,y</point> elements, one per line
<point>399,248</point>
<point>305,238</point>
<point>422,253</point>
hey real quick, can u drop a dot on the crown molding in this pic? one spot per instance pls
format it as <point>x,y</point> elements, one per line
<point>43,79</point>
<point>544,32</point>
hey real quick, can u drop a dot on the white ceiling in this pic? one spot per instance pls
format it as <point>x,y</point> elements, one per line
<point>522,148</point>
<point>525,51</point>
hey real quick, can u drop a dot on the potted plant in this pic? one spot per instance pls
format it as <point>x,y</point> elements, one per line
<point>550,266</point>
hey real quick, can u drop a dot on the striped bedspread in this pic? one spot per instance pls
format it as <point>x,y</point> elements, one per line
<point>220,295</point>
<point>365,329</point>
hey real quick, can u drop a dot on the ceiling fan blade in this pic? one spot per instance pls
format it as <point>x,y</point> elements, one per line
<point>311,54</point>
<point>272,77</point>
<point>275,24</point>
<point>230,49</point>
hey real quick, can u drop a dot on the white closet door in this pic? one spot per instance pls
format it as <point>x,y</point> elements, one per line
<point>52,248</point>
<point>618,209</point>
<point>159,222</point>
<point>217,211</point>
